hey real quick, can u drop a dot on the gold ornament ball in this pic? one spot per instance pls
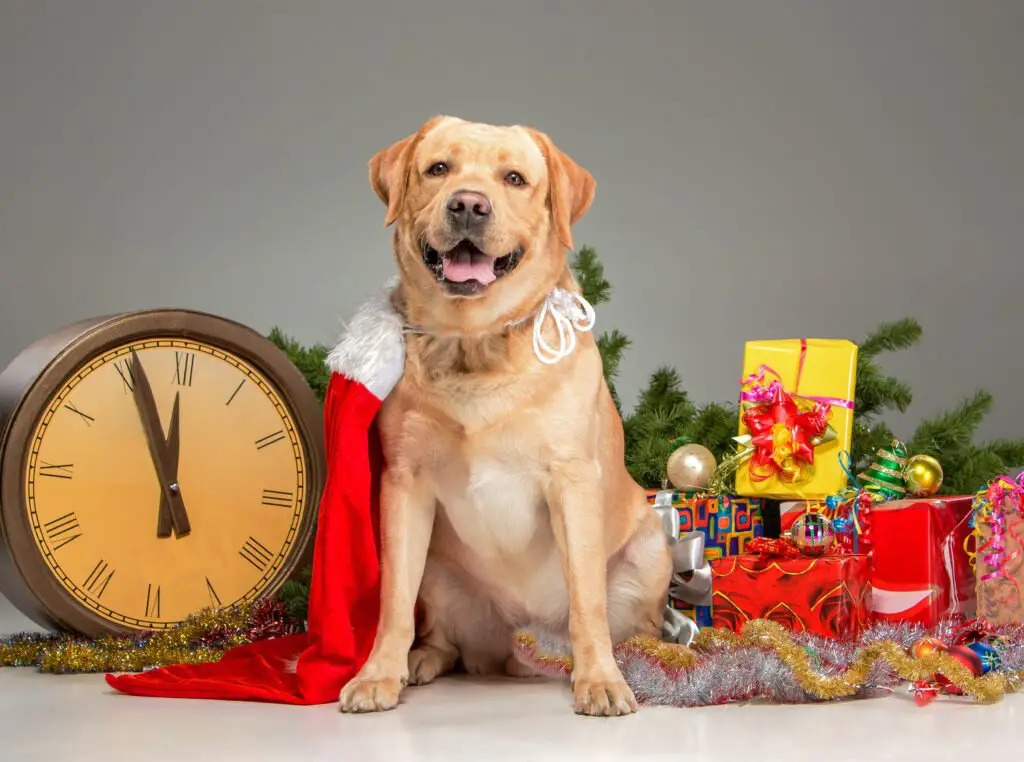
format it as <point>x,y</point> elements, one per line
<point>923,476</point>
<point>691,467</point>
<point>923,647</point>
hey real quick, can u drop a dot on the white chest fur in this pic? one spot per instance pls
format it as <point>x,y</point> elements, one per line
<point>498,514</point>
<point>494,507</point>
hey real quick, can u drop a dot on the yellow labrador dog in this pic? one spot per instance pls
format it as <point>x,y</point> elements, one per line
<point>505,502</point>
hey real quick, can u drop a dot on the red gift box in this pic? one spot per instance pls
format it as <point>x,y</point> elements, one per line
<point>828,595</point>
<point>921,571</point>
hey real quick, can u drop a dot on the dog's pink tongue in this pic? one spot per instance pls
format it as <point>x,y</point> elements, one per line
<point>460,266</point>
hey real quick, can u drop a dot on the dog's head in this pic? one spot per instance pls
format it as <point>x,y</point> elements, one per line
<point>483,217</point>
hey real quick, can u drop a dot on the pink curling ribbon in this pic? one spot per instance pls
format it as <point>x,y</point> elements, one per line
<point>1000,504</point>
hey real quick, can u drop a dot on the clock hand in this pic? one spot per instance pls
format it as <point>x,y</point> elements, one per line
<point>172,444</point>
<point>165,469</point>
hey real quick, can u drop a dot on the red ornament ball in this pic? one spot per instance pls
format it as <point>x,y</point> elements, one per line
<point>968,658</point>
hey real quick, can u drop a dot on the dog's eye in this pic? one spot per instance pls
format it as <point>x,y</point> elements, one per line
<point>437,169</point>
<point>514,178</point>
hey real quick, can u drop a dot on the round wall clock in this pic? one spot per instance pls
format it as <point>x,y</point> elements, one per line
<point>153,464</point>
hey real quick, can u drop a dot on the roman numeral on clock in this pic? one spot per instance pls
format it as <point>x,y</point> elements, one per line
<point>126,370</point>
<point>184,364</point>
<point>256,553</point>
<point>61,530</point>
<point>235,392</point>
<point>89,420</point>
<point>276,498</point>
<point>98,579</point>
<point>214,598</point>
<point>269,439</point>
<point>56,470</point>
<point>152,601</point>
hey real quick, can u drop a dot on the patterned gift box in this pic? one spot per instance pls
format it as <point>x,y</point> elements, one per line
<point>728,522</point>
<point>817,375</point>
<point>827,595</point>
<point>920,557</point>
<point>699,614</point>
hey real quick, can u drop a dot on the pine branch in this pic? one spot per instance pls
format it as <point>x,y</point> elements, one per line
<point>590,275</point>
<point>867,440</point>
<point>968,468</point>
<point>876,392</point>
<point>612,344</point>
<point>663,391</point>
<point>952,430</point>
<point>714,425</point>
<point>294,594</point>
<point>889,337</point>
<point>311,361</point>
<point>1009,451</point>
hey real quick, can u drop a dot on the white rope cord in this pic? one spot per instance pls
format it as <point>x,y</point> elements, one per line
<point>571,313</point>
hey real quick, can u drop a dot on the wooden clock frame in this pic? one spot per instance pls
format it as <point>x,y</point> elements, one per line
<point>39,371</point>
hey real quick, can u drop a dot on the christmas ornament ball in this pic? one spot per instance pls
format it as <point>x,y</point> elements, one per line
<point>923,647</point>
<point>691,467</point>
<point>989,656</point>
<point>812,534</point>
<point>923,476</point>
<point>969,659</point>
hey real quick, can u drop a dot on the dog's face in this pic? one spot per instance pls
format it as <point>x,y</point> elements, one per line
<point>482,212</point>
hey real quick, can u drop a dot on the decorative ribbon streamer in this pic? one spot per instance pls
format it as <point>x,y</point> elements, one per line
<point>691,578</point>
<point>1001,496</point>
<point>773,547</point>
<point>571,313</point>
<point>851,510</point>
<point>668,514</point>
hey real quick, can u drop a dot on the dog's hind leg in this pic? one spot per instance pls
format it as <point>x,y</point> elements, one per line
<point>458,623</point>
<point>434,653</point>
<point>638,581</point>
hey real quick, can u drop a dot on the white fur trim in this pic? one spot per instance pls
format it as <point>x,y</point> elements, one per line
<point>372,349</point>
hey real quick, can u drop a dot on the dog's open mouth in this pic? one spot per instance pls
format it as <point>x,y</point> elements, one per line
<point>464,269</point>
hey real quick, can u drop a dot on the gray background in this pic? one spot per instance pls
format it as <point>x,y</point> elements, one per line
<point>768,168</point>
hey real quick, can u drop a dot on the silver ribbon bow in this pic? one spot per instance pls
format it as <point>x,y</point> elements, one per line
<point>691,573</point>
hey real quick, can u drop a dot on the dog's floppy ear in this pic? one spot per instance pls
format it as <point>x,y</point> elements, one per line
<point>570,187</point>
<point>389,170</point>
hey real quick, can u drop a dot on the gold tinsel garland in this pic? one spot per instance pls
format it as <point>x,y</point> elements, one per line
<point>770,637</point>
<point>761,633</point>
<point>202,638</point>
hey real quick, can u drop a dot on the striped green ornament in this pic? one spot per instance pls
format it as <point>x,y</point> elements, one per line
<point>886,471</point>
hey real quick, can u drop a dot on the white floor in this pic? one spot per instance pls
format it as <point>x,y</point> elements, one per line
<point>78,719</point>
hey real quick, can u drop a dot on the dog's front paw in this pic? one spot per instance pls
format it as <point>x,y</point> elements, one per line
<point>363,695</point>
<point>603,697</point>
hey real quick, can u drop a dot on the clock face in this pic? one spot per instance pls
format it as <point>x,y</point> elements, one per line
<point>98,508</point>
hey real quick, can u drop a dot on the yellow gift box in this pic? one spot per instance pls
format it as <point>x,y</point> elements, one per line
<point>820,376</point>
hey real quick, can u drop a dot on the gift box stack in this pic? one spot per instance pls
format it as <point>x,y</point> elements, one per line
<point>852,549</point>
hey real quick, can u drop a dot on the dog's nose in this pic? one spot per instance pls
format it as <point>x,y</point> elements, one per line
<point>468,209</point>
